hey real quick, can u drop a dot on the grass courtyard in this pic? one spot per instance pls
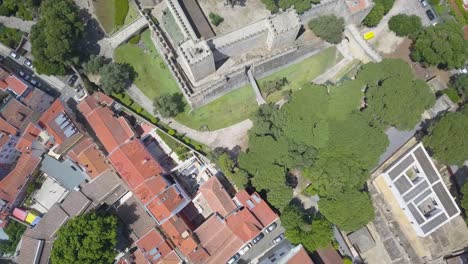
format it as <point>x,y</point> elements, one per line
<point>230,109</point>
<point>301,73</point>
<point>114,14</point>
<point>154,79</point>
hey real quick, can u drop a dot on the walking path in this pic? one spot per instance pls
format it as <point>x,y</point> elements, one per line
<point>258,94</point>
<point>228,137</point>
<point>18,23</point>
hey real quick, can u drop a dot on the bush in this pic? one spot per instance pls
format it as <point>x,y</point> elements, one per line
<point>10,37</point>
<point>380,9</point>
<point>330,28</point>
<point>121,10</point>
<point>14,230</point>
<point>171,132</point>
<point>452,94</point>
<point>404,25</point>
<point>215,19</point>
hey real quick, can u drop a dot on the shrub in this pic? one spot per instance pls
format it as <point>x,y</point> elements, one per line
<point>135,39</point>
<point>10,37</point>
<point>452,94</point>
<point>404,25</point>
<point>330,28</point>
<point>380,9</point>
<point>171,132</point>
<point>121,10</point>
<point>215,19</point>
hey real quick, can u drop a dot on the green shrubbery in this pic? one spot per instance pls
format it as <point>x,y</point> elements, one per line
<point>24,9</point>
<point>14,230</point>
<point>330,28</point>
<point>452,93</point>
<point>299,5</point>
<point>404,25</point>
<point>10,37</point>
<point>121,10</point>
<point>380,9</point>
<point>215,19</point>
<point>135,39</point>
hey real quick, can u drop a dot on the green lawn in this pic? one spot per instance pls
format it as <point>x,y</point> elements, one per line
<point>302,72</point>
<point>114,14</point>
<point>230,109</point>
<point>154,79</point>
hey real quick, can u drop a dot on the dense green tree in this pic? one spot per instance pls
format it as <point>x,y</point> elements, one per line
<point>464,199</point>
<point>381,8</point>
<point>275,85</point>
<point>55,36</point>
<point>391,93</point>
<point>460,83</point>
<point>10,37</point>
<point>299,5</point>
<point>448,138</point>
<point>95,64</point>
<point>229,168</point>
<point>329,27</point>
<point>312,231</point>
<point>442,45</point>
<point>14,230</point>
<point>115,77</point>
<point>86,239</point>
<point>349,210</point>
<point>169,105</point>
<point>405,25</point>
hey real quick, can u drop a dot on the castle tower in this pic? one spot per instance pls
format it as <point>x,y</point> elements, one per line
<point>197,59</point>
<point>283,29</point>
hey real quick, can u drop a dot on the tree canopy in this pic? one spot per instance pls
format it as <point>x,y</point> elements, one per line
<point>464,199</point>
<point>115,77</point>
<point>405,25</point>
<point>169,105</point>
<point>394,96</point>
<point>448,138</point>
<point>95,63</point>
<point>330,28</point>
<point>350,210</point>
<point>460,83</point>
<point>86,239</point>
<point>299,5</point>
<point>381,8</point>
<point>312,231</point>
<point>442,45</point>
<point>14,230</point>
<point>55,36</point>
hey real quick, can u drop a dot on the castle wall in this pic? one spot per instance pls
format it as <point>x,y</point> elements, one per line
<point>335,7</point>
<point>181,19</point>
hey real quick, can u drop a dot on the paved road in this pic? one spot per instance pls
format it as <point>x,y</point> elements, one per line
<point>228,137</point>
<point>14,22</point>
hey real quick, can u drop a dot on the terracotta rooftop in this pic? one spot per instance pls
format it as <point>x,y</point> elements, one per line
<point>150,188</point>
<point>244,225</point>
<point>300,257</point>
<point>38,100</point>
<point>94,101</point>
<point>26,140</point>
<point>17,114</point>
<point>6,128</point>
<point>112,131</point>
<point>329,255</point>
<point>87,154</point>
<point>257,206</point>
<point>166,203</point>
<point>16,85</point>
<point>218,239</point>
<point>217,197</point>
<point>59,124</point>
<point>154,247</point>
<point>11,185</point>
<point>134,163</point>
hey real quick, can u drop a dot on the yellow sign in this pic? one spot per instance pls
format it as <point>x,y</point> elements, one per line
<point>30,218</point>
<point>369,35</point>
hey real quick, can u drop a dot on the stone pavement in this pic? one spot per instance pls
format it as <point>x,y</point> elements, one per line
<point>228,137</point>
<point>18,23</point>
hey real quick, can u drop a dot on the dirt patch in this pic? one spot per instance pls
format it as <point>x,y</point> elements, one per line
<point>403,52</point>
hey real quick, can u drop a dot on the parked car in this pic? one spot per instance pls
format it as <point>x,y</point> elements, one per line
<point>258,238</point>
<point>233,259</point>
<point>26,77</point>
<point>78,88</point>
<point>423,3</point>
<point>245,249</point>
<point>430,15</point>
<point>278,239</point>
<point>34,82</point>
<point>28,63</point>
<point>271,228</point>
<point>71,81</point>
<point>22,74</point>
<point>14,55</point>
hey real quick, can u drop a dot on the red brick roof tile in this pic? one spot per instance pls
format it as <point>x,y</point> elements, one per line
<point>16,85</point>
<point>150,188</point>
<point>134,163</point>
<point>27,138</point>
<point>300,257</point>
<point>153,247</point>
<point>244,225</point>
<point>7,128</point>
<point>87,154</point>
<point>257,206</point>
<point>217,197</point>
<point>17,114</point>
<point>163,205</point>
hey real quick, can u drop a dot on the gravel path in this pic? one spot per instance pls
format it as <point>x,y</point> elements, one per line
<point>14,22</point>
<point>229,137</point>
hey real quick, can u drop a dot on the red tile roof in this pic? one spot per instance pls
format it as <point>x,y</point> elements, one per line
<point>27,138</point>
<point>150,188</point>
<point>111,131</point>
<point>257,206</point>
<point>94,101</point>
<point>87,154</point>
<point>300,257</point>
<point>16,85</point>
<point>47,121</point>
<point>154,247</point>
<point>6,128</point>
<point>134,163</point>
<point>17,114</point>
<point>244,225</point>
<point>218,240</point>
<point>11,185</point>
<point>163,205</point>
<point>38,100</point>
<point>329,255</point>
<point>217,197</point>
